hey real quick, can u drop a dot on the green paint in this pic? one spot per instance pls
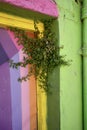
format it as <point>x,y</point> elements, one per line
<point>53,100</point>
<point>67,81</point>
<point>84,16</point>
<point>71,76</point>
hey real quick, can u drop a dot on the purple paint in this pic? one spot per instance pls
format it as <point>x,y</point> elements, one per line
<point>47,7</point>
<point>3,56</point>
<point>16,97</point>
<point>11,35</point>
<point>5,98</point>
<point>7,43</point>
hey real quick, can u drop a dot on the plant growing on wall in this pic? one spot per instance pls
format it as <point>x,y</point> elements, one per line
<point>41,52</point>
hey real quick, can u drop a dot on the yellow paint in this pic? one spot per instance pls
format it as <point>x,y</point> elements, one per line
<point>42,108</point>
<point>15,21</point>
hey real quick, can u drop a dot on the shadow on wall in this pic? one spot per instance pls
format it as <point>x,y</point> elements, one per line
<point>53,100</point>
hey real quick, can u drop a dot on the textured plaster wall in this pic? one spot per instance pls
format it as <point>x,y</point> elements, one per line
<point>70,76</point>
<point>43,6</point>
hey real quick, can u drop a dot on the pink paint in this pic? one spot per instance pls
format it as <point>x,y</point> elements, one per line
<point>11,34</point>
<point>31,92</point>
<point>25,98</point>
<point>47,7</point>
<point>28,94</point>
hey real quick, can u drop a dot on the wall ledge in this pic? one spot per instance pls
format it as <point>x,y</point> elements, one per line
<point>47,7</point>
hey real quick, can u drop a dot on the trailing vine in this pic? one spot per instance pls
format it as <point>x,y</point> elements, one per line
<point>41,52</point>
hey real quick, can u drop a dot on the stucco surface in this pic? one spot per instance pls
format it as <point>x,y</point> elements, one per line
<point>70,76</point>
<point>43,6</point>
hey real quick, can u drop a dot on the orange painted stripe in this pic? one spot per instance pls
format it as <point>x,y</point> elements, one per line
<point>33,103</point>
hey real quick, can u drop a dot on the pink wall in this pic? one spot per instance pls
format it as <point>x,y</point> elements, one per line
<point>43,6</point>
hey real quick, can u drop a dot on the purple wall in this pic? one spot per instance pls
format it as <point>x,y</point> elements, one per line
<point>5,98</point>
<point>15,97</point>
<point>10,90</point>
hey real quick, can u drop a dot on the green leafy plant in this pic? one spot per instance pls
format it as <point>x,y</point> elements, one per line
<point>41,52</point>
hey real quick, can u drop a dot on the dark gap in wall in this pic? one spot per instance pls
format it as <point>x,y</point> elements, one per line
<point>76,1</point>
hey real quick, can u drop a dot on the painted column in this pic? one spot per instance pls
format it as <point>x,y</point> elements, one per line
<point>70,76</point>
<point>84,17</point>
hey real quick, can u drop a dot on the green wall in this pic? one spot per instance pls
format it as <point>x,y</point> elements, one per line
<point>64,105</point>
<point>70,76</point>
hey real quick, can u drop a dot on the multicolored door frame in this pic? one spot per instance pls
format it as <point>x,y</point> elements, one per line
<point>19,112</point>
